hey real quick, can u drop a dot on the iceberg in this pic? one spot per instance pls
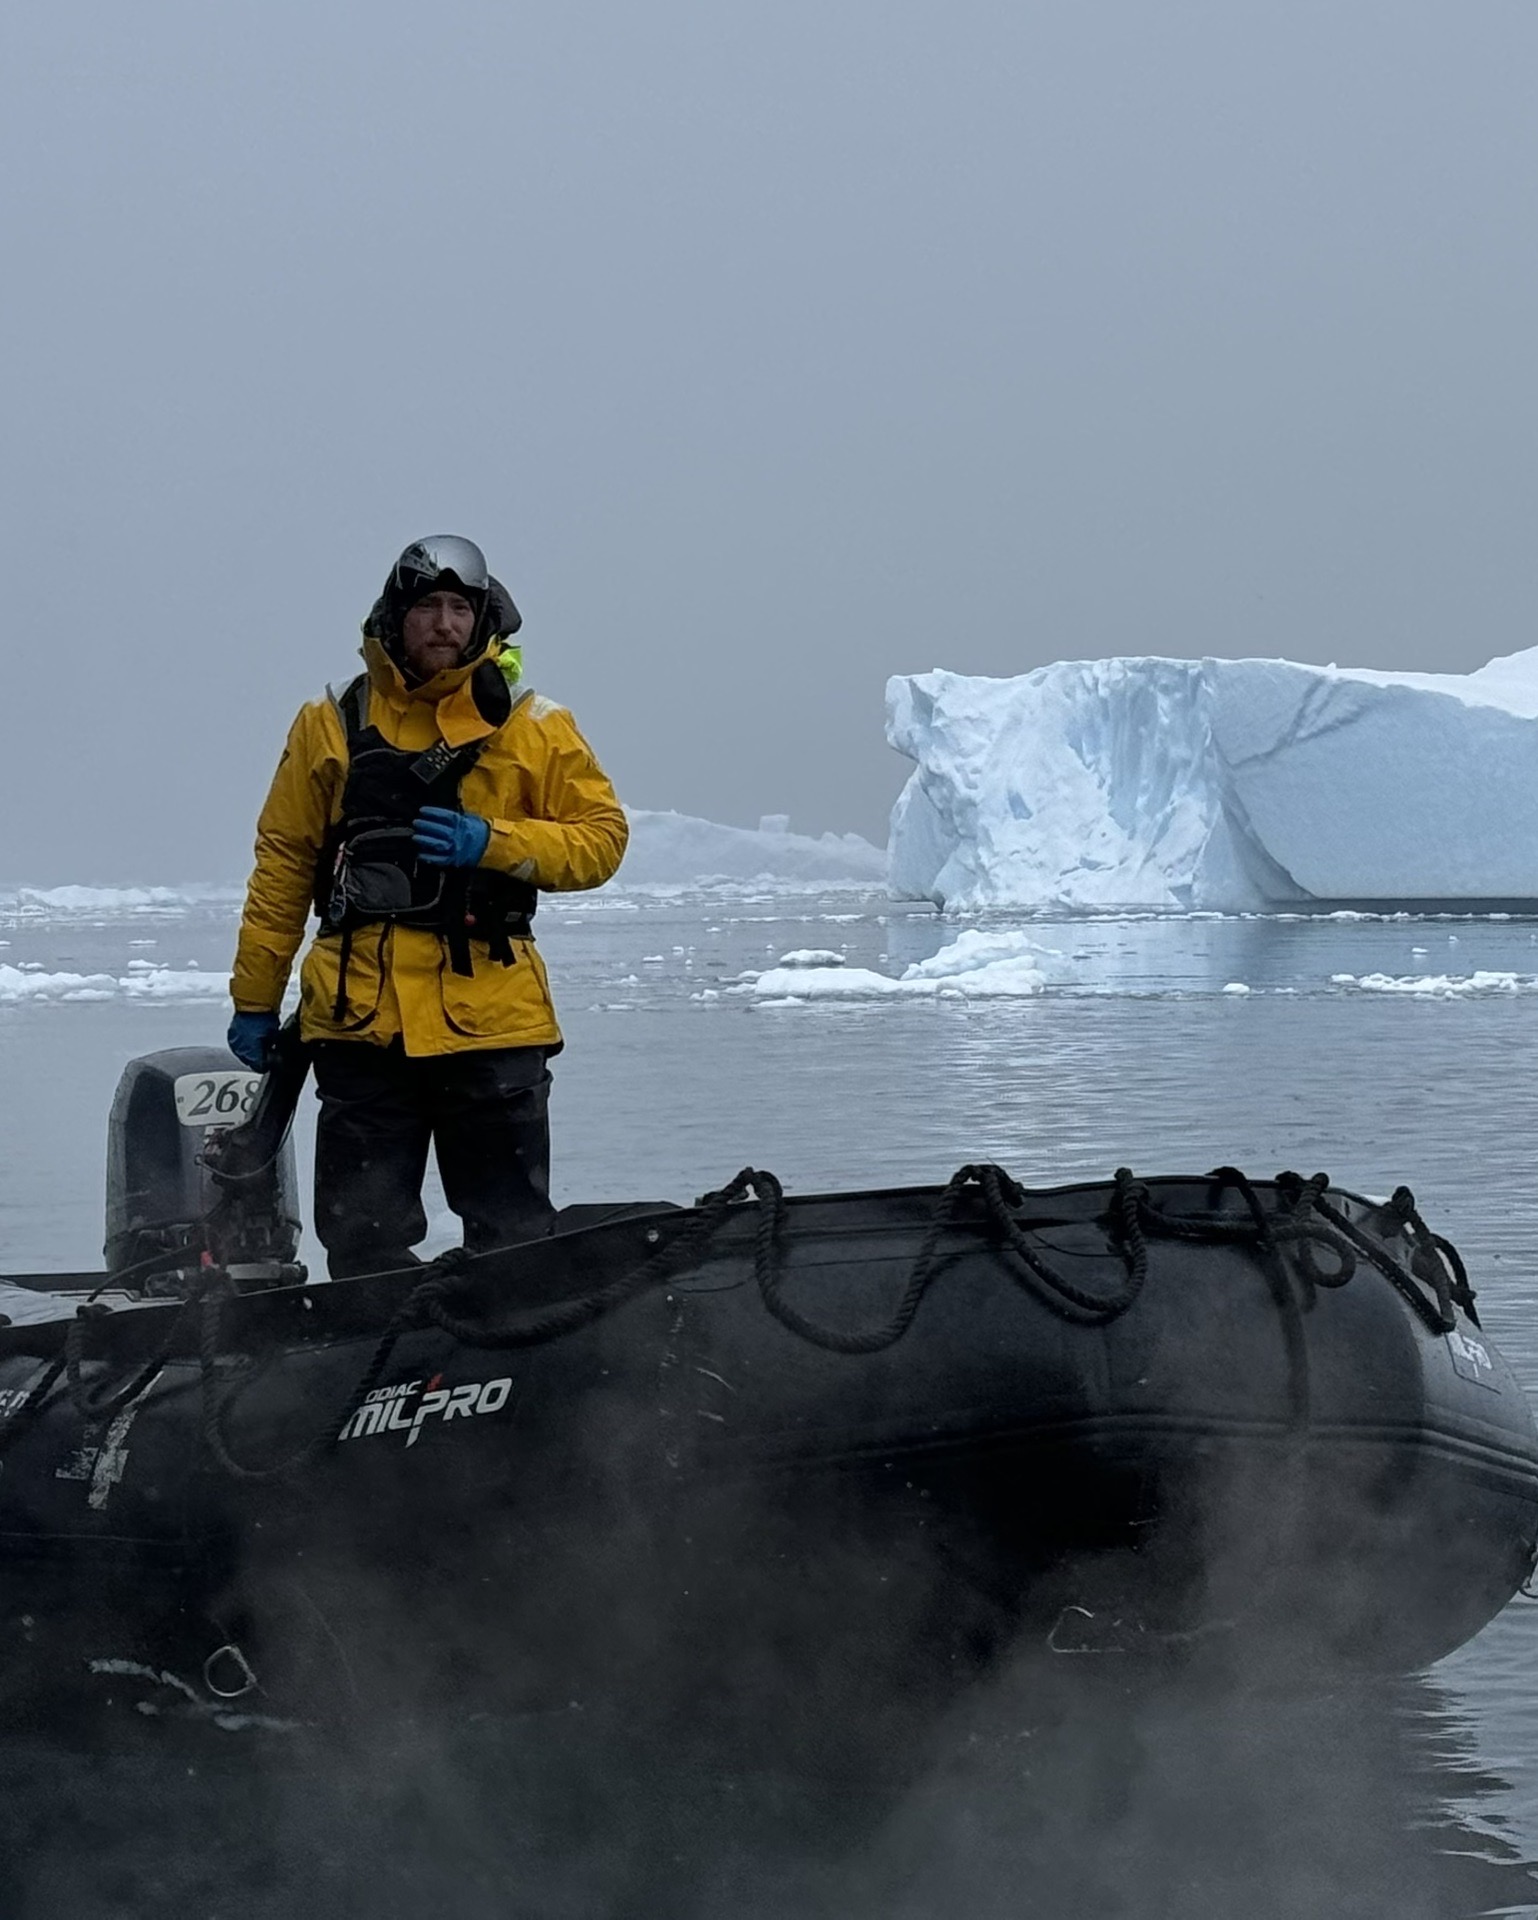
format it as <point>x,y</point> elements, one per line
<point>58,903</point>
<point>677,850</point>
<point>1215,785</point>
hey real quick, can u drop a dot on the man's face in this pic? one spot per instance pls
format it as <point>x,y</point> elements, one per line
<point>436,631</point>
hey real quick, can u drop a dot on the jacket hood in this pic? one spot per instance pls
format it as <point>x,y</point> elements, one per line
<point>459,718</point>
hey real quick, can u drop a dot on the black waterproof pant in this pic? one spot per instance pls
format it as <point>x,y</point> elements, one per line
<point>485,1113</point>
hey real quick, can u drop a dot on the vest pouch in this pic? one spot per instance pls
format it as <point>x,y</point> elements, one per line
<point>378,877</point>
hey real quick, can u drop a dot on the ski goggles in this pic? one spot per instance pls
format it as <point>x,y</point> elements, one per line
<point>425,561</point>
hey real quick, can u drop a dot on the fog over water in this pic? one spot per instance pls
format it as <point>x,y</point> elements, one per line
<point>766,352</point>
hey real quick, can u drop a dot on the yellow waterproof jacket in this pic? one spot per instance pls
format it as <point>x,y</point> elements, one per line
<point>554,822</point>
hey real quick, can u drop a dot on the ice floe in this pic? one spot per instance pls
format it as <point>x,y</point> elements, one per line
<point>142,981</point>
<point>1438,986</point>
<point>977,965</point>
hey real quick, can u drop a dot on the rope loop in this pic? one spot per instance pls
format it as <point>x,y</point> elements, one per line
<point>1003,1196</point>
<point>1434,1261</point>
<point>1435,1315</point>
<point>1307,1234</point>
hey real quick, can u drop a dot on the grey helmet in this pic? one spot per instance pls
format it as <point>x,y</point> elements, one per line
<point>425,564</point>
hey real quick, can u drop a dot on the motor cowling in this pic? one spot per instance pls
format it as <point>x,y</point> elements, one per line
<point>169,1110</point>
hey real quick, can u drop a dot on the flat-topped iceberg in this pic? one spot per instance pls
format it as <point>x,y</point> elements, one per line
<point>1226,785</point>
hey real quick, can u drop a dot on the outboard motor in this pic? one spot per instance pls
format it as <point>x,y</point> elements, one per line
<point>164,1196</point>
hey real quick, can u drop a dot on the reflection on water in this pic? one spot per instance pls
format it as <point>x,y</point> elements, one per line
<point>1127,1794</point>
<point>1095,1796</point>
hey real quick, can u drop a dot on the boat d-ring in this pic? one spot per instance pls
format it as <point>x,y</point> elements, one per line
<point>1061,1623</point>
<point>229,1651</point>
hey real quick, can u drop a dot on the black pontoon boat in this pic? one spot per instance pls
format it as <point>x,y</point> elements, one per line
<point>905,1428</point>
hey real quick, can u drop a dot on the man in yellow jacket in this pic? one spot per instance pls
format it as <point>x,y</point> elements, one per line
<point>419,811</point>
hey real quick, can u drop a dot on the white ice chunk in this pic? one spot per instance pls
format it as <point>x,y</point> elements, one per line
<point>30,983</point>
<point>176,983</point>
<point>975,966</point>
<point>974,951</point>
<point>1438,986</point>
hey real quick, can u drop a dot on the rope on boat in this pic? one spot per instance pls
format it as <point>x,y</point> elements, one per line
<point>427,1304</point>
<point>1302,1225</point>
<point>1290,1225</point>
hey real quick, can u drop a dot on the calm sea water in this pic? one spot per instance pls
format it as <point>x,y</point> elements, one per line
<point>1418,1799</point>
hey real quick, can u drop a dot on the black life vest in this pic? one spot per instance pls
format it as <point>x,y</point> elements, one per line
<point>369,870</point>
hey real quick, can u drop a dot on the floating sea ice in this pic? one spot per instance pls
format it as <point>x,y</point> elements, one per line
<point>792,986</point>
<point>974,950</point>
<point>30,982</point>
<point>811,957</point>
<point>172,983</point>
<point>1236,987</point>
<point>1438,986</point>
<point>142,982</point>
<point>976,965</point>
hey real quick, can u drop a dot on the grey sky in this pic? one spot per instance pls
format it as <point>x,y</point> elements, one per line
<point>766,349</point>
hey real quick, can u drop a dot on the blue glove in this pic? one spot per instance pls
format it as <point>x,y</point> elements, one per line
<point>446,839</point>
<point>250,1038</point>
